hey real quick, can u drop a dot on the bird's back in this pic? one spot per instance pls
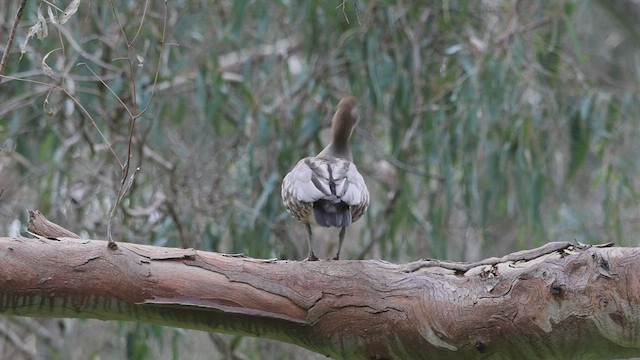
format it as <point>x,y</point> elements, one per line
<point>325,191</point>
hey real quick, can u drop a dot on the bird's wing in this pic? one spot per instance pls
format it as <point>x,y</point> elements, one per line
<point>351,188</point>
<point>333,180</point>
<point>314,179</point>
<point>305,182</point>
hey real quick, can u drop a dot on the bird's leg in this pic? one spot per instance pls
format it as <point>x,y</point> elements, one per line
<point>340,239</point>
<point>312,256</point>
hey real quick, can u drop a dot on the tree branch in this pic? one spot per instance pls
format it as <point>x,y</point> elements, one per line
<point>39,225</point>
<point>559,305</point>
<point>12,35</point>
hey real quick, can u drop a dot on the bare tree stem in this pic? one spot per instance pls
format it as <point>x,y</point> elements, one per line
<point>12,34</point>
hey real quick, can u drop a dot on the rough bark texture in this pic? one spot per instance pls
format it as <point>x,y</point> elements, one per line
<point>41,226</point>
<point>569,304</point>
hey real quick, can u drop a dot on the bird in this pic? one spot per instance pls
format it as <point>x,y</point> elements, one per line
<point>327,189</point>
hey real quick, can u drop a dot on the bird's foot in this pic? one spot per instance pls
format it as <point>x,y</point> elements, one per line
<point>337,257</point>
<point>311,257</point>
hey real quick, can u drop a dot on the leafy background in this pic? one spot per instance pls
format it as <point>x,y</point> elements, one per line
<point>486,127</point>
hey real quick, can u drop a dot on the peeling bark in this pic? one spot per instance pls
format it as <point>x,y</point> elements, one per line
<point>41,226</point>
<point>572,303</point>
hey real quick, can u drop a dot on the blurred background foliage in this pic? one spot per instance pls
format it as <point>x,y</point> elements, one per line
<point>486,127</point>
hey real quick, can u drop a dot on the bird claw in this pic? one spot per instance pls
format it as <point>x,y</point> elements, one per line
<point>311,257</point>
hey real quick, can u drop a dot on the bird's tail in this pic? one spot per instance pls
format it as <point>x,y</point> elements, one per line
<point>327,213</point>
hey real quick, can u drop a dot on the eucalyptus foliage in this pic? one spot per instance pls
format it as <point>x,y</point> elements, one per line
<point>486,126</point>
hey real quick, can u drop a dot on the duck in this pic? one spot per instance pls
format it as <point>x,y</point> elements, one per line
<point>327,190</point>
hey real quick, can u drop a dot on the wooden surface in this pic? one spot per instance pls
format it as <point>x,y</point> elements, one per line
<point>561,305</point>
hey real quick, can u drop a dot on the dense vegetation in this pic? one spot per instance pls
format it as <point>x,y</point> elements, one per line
<point>486,126</point>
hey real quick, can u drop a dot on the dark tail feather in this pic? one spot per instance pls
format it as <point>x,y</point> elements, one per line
<point>328,214</point>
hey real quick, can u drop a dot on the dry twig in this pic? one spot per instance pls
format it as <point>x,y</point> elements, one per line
<point>40,225</point>
<point>12,35</point>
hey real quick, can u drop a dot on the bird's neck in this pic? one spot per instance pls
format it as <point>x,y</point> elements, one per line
<point>337,150</point>
<point>341,128</point>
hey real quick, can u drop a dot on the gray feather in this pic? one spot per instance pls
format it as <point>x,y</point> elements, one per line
<point>327,213</point>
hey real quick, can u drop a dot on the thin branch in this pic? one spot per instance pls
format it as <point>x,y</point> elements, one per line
<point>75,100</point>
<point>12,35</point>
<point>108,88</point>
<point>344,11</point>
<point>162,47</point>
<point>144,14</point>
<point>134,115</point>
<point>123,191</point>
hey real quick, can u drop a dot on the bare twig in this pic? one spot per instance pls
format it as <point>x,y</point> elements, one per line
<point>108,88</point>
<point>133,112</point>
<point>344,11</point>
<point>75,100</point>
<point>164,43</point>
<point>12,35</point>
<point>144,15</point>
<point>121,193</point>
